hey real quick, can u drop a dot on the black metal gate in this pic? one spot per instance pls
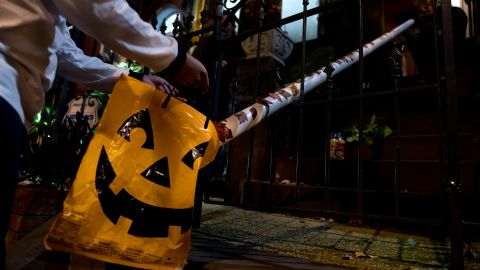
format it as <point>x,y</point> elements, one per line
<point>392,139</point>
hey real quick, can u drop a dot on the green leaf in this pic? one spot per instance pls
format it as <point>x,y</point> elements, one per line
<point>387,131</point>
<point>352,139</point>
<point>369,140</point>
<point>373,119</point>
<point>370,128</point>
<point>372,131</point>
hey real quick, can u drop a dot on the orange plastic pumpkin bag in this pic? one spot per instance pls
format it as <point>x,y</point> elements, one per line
<point>132,200</point>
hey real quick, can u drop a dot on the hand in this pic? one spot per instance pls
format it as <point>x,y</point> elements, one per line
<point>193,74</point>
<point>161,84</point>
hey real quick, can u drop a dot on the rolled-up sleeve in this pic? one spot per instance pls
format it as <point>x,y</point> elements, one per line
<point>119,27</point>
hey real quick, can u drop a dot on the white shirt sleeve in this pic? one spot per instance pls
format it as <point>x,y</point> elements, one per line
<point>75,66</point>
<point>119,27</point>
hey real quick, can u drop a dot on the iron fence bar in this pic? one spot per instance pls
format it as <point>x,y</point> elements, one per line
<point>217,66</point>
<point>254,98</point>
<point>201,190</point>
<point>475,15</point>
<point>272,164</point>
<point>453,174</point>
<point>441,110</point>
<point>328,163</point>
<point>369,95</point>
<point>396,72</point>
<point>298,163</point>
<point>361,114</point>
<point>470,18</point>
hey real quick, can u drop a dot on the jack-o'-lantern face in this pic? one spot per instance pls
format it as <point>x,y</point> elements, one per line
<point>147,220</point>
<point>133,197</point>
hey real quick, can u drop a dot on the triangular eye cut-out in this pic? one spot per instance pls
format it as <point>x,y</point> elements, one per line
<point>138,120</point>
<point>103,178</point>
<point>105,173</point>
<point>196,152</point>
<point>158,173</point>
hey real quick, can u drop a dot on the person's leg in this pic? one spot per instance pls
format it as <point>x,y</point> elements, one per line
<point>12,132</point>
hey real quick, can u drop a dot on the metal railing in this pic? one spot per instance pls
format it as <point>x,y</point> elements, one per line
<point>344,188</point>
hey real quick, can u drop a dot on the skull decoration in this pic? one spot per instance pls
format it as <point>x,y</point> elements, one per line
<point>132,200</point>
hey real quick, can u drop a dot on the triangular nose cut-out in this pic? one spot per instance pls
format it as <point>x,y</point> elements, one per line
<point>158,173</point>
<point>139,120</point>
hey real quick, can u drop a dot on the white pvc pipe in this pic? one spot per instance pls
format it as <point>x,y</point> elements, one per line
<point>239,122</point>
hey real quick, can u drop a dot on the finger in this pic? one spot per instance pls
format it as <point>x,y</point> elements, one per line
<point>171,90</point>
<point>184,100</point>
<point>149,82</point>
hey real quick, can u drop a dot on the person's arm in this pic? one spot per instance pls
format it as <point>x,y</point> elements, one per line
<point>75,66</point>
<point>120,28</point>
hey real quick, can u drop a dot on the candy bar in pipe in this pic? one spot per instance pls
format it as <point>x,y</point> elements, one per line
<point>239,122</point>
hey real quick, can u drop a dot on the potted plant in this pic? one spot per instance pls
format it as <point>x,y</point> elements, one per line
<point>373,134</point>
